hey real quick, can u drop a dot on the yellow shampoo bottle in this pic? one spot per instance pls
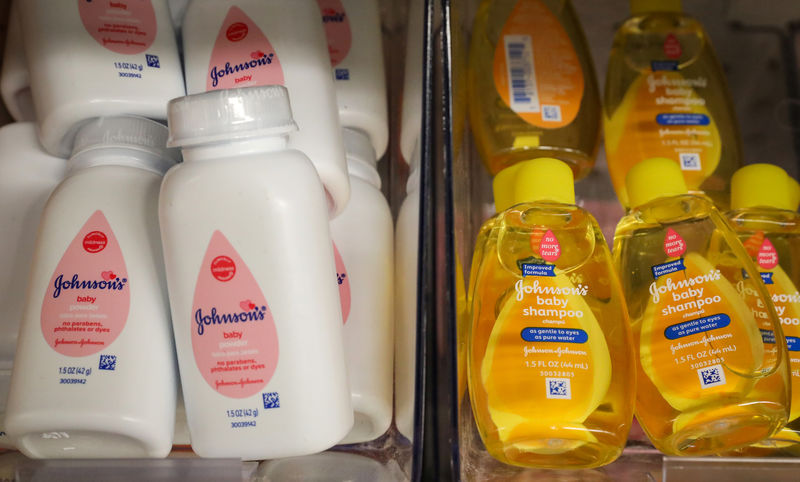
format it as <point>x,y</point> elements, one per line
<point>764,214</point>
<point>666,96</point>
<point>712,373</point>
<point>550,358</point>
<point>531,84</point>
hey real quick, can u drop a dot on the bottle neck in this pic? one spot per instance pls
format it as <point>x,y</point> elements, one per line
<point>364,171</point>
<point>205,152</point>
<point>118,156</point>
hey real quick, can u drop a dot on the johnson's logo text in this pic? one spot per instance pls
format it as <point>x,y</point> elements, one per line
<point>108,282</point>
<point>218,72</point>
<point>255,313</point>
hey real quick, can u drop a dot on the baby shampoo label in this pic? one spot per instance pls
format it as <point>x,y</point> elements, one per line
<point>786,299</point>
<point>537,72</point>
<point>124,26</point>
<point>337,29</point>
<point>234,338</point>
<point>242,55</point>
<point>546,357</point>
<point>698,335</point>
<point>86,303</point>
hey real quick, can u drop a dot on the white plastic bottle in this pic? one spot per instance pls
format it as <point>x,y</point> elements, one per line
<point>411,111</point>
<point>246,43</point>
<point>353,32</point>
<point>15,82</point>
<point>27,177</point>
<point>94,374</point>
<point>98,59</point>
<point>363,237</point>
<point>405,301</point>
<point>250,267</point>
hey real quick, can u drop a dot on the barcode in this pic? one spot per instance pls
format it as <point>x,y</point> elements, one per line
<point>712,376</point>
<point>559,388</point>
<point>522,89</point>
<point>690,161</point>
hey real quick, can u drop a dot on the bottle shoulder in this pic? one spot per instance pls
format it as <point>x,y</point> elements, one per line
<point>564,235</point>
<point>672,210</point>
<point>767,220</point>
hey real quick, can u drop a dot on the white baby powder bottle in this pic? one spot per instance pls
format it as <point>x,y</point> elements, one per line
<point>15,81</point>
<point>97,59</point>
<point>353,31</point>
<point>363,239</point>
<point>250,267</point>
<point>245,43</point>
<point>411,110</point>
<point>405,302</point>
<point>27,177</point>
<point>94,374</point>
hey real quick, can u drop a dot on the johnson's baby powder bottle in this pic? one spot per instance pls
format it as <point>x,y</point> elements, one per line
<point>250,266</point>
<point>27,176</point>
<point>353,31</point>
<point>15,82</point>
<point>94,374</point>
<point>406,282</point>
<point>363,239</point>
<point>98,58</point>
<point>245,43</point>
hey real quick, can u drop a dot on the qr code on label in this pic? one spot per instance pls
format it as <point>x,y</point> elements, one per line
<point>152,61</point>
<point>271,400</point>
<point>690,161</point>
<point>559,388</point>
<point>108,362</point>
<point>712,376</point>
<point>551,113</point>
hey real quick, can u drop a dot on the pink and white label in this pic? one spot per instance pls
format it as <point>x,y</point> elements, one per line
<point>337,29</point>
<point>767,255</point>
<point>674,245</point>
<point>88,298</point>
<point>344,283</point>
<point>672,47</point>
<point>234,338</point>
<point>242,55</point>
<point>549,247</point>
<point>125,26</point>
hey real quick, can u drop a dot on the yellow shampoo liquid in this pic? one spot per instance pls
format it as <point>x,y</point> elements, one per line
<point>712,374</point>
<point>764,214</point>
<point>666,96</point>
<point>531,84</point>
<point>550,359</point>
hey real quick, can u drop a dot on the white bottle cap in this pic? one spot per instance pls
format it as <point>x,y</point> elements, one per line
<point>127,132</point>
<point>232,114</point>
<point>361,156</point>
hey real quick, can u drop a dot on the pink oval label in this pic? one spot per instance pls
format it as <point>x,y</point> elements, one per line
<point>674,245</point>
<point>344,283</point>
<point>767,255</point>
<point>124,26</point>
<point>549,247</point>
<point>234,338</point>
<point>88,298</point>
<point>337,29</point>
<point>242,55</point>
